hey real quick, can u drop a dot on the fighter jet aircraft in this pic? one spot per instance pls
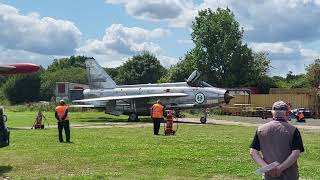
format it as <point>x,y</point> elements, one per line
<point>135,100</point>
<point>18,68</point>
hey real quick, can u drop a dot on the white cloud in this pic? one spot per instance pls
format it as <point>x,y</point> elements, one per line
<point>309,53</point>
<point>281,67</point>
<point>35,34</point>
<point>274,20</point>
<point>263,21</point>
<point>178,13</point>
<point>151,10</point>
<point>276,48</point>
<point>124,40</point>
<point>21,56</point>
<point>120,42</point>
<point>285,57</point>
<point>167,61</point>
<point>111,60</point>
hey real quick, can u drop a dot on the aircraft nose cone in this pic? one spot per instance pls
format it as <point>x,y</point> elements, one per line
<point>227,97</point>
<point>28,68</point>
<point>35,68</point>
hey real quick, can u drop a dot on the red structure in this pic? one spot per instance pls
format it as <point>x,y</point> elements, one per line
<point>169,124</point>
<point>18,68</point>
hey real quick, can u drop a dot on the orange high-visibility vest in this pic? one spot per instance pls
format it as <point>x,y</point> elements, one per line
<point>61,110</point>
<point>157,111</point>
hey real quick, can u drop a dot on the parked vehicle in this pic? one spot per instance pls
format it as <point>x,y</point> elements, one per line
<point>306,113</point>
<point>266,113</point>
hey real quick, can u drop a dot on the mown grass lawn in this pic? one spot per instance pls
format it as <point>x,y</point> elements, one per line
<point>25,119</point>
<point>196,152</point>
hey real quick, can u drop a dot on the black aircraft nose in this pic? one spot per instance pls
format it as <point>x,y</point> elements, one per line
<point>227,97</point>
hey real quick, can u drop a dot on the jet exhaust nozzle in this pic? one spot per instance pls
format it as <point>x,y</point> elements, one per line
<point>227,97</point>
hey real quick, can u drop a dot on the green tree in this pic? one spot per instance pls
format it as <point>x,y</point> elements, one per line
<point>3,79</point>
<point>259,68</point>
<point>49,79</point>
<point>221,56</point>
<point>22,88</point>
<point>114,74</point>
<point>64,63</point>
<point>313,73</point>
<point>180,71</point>
<point>280,82</point>
<point>142,68</point>
<point>70,69</point>
<point>260,65</point>
<point>264,84</point>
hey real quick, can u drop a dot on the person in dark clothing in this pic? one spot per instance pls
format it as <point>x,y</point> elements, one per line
<point>300,117</point>
<point>61,114</point>
<point>157,111</point>
<point>279,142</point>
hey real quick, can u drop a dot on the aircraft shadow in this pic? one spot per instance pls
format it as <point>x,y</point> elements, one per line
<point>5,169</point>
<point>142,119</point>
<point>147,120</point>
<point>105,119</point>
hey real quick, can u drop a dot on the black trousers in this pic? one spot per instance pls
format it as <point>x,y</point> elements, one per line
<point>156,125</point>
<point>64,125</point>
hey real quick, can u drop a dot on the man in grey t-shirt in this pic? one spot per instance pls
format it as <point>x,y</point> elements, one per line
<point>278,141</point>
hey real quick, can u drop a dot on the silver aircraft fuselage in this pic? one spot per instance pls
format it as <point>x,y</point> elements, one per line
<point>197,97</point>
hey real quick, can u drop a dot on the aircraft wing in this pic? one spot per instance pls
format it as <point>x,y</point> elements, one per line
<point>131,97</point>
<point>83,106</point>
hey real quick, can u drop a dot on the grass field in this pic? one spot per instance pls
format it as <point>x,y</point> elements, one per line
<point>196,152</point>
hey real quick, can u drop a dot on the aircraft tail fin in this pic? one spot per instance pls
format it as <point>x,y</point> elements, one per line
<point>97,77</point>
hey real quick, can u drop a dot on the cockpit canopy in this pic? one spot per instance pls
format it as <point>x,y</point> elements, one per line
<point>194,76</point>
<point>193,80</point>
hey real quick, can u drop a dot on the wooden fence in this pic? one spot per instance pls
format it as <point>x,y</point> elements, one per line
<point>266,100</point>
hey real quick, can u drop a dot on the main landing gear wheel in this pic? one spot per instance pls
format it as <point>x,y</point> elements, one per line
<point>133,117</point>
<point>203,120</point>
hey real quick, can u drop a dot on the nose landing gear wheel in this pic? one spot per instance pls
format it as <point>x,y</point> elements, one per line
<point>203,120</point>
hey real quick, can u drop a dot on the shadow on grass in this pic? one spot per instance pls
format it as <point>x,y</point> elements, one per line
<point>107,119</point>
<point>19,128</point>
<point>143,119</point>
<point>187,122</point>
<point>5,169</point>
<point>198,123</point>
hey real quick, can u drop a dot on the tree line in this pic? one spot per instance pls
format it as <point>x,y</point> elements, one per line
<point>220,55</point>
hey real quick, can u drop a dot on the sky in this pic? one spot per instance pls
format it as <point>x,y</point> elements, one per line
<point>112,31</point>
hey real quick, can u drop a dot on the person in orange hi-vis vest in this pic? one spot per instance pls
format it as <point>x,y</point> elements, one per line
<point>157,111</point>
<point>61,114</point>
<point>300,117</point>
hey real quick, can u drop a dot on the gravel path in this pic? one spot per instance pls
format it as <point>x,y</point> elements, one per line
<point>234,120</point>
